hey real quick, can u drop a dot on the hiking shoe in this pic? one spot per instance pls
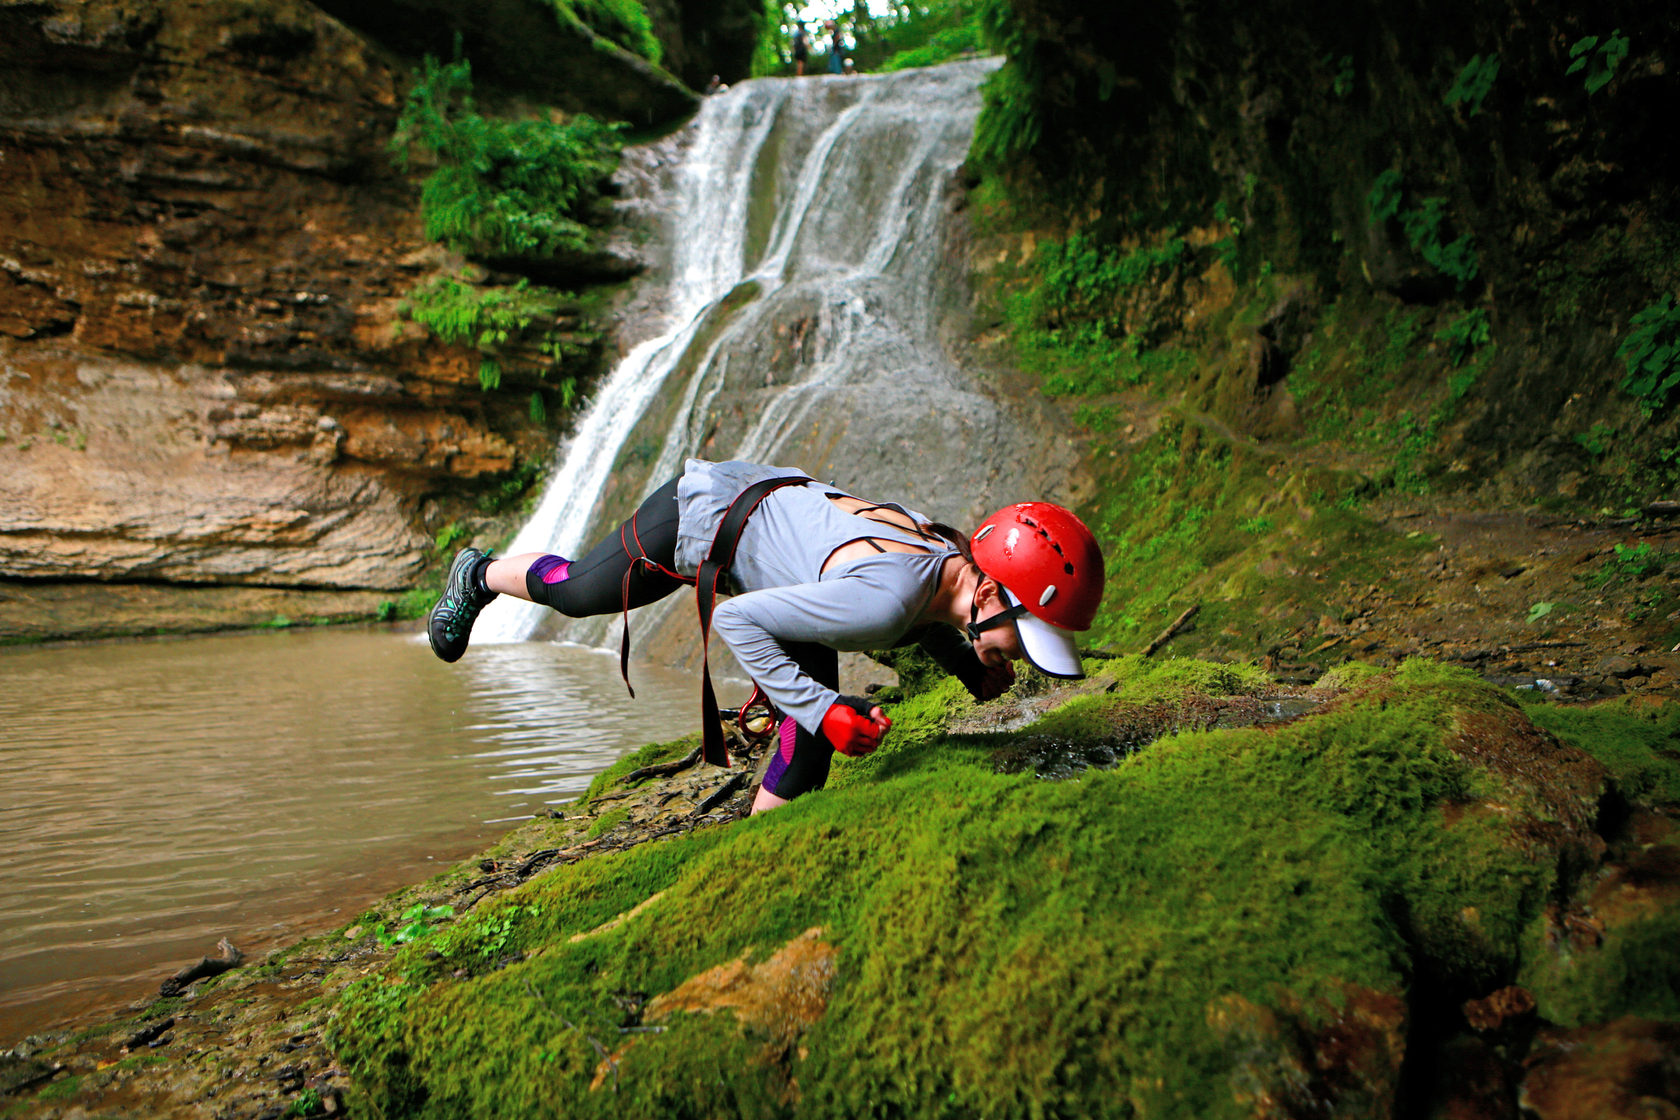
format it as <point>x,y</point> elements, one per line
<point>450,623</point>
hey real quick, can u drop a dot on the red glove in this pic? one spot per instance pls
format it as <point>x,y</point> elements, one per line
<point>854,726</point>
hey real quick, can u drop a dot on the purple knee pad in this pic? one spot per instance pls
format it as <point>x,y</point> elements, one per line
<point>551,569</point>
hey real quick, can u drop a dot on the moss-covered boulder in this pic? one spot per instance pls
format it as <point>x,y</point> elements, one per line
<point>1271,919</point>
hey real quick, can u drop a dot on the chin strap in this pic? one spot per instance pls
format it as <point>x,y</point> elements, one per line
<point>1009,613</point>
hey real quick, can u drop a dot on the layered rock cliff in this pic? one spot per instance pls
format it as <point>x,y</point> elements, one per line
<point>205,382</point>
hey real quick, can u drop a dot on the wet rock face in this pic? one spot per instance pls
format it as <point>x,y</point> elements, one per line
<point>1626,1068</point>
<point>202,248</point>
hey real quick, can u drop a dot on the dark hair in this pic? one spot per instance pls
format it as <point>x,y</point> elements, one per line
<point>958,539</point>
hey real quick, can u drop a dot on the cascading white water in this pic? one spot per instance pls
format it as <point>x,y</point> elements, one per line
<point>811,282</point>
<point>707,249</point>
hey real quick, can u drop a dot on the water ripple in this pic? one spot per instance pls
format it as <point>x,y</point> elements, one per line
<point>162,794</point>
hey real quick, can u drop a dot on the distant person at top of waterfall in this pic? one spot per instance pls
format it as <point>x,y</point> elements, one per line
<point>836,47</point>
<point>716,85</point>
<point>801,49</point>
<point>815,570</point>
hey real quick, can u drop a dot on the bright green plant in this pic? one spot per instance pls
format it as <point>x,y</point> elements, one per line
<point>767,58</point>
<point>1465,335</point>
<point>1537,611</point>
<point>1596,440</point>
<point>417,922</point>
<point>1070,322</point>
<point>488,319</point>
<point>1342,83</point>
<point>1651,352</point>
<point>942,46</point>
<point>1009,120</point>
<point>1457,258</point>
<point>1629,563</point>
<point>1423,223</point>
<point>1009,124</point>
<point>1382,201</point>
<point>1083,278</point>
<point>306,1103</point>
<point>1473,83</point>
<point>501,188</point>
<point>449,536</point>
<point>1598,59</point>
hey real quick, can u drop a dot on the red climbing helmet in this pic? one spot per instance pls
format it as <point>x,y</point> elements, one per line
<point>1051,572</point>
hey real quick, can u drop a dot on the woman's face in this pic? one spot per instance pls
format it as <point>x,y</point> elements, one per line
<point>1000,644</point>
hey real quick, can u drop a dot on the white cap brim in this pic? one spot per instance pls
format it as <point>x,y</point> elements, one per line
<point>1051,649</point>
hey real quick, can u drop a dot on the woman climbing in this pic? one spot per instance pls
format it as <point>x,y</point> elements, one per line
<point>814,570</point>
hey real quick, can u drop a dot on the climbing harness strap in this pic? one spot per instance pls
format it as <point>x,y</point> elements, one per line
<point>913,529</point>
<point>713,747</point>
<point>638,557</point>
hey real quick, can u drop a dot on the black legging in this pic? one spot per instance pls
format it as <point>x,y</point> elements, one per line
<point>596,585</point>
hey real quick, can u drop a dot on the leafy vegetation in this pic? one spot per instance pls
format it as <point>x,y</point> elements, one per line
<point>1595,441</point>
<point>1070,317</point>
<point>1629,562</point>
<point>489,318</point>
<point>1473,83</point>
<point>417,921</point>
<point>1597,59</point>
<point>930,33</point>
<point>501,188</point>
<point>1466,335</point>
<point>1651,353</point>
<point>1011,116</point>
<point>1424,223</point>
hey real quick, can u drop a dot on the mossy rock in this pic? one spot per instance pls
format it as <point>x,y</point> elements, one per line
<point>1225,917</point>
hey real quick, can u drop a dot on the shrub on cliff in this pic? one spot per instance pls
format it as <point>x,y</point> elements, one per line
<point>501,188</point>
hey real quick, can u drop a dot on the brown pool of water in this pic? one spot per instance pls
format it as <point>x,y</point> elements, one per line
<point>156,796</point>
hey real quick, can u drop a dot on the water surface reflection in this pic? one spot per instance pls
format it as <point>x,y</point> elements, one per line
<point>159,795</point>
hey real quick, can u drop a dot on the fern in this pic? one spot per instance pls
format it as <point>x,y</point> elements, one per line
<point>501,188</point>
<point>488,319</point>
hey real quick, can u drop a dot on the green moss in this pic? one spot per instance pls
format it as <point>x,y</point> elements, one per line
<point>62,1089</point>
<point>606,822</point>
<point>1637,740</point>
<point>1348,675</point>
<point>649,755</point>
<point>1139,678</point>
<point>1175,518</point>
<point>1635,970</point>
<point>1006,946</point>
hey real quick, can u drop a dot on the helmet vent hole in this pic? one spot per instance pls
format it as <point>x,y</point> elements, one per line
<point>1068,568</point>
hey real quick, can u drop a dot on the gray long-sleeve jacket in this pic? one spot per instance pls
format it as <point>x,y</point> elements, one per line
<point>782,593</point>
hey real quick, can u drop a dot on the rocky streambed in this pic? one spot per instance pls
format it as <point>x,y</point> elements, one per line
<point>1393,891</point>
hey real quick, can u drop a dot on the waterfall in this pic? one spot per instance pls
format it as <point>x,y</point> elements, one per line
<point>810,282</point>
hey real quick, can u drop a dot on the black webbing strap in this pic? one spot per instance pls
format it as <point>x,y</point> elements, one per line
<point>713,747</point>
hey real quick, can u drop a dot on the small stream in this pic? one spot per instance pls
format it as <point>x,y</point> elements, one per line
<point>158,795</point>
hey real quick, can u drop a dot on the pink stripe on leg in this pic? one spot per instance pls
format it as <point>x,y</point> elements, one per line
<point>789,733</point>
